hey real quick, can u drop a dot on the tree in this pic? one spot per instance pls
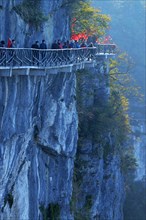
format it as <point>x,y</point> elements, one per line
<point>98,120</point>
<point>88,20</point>
<point>121,79</point>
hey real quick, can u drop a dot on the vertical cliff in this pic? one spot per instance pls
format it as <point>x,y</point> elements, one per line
<point>38,123</point>
<point>39,131</point>
<point>98,184</point>
<point>28,21</point>
<point>38,143</point>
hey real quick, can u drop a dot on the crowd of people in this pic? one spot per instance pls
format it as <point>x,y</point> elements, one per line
<point>71,44</point>
<point>10,44</point>
<point>62,45</point>
<point>37,54</point>
<point>55,45</point>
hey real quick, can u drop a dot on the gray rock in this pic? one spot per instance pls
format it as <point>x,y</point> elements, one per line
<point>38,144</point>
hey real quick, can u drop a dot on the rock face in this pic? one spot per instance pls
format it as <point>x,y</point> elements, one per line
<point>54,25</point>
<point>38,144</point>
<point>38,124</point>
<point>139,142</point>
<point>98,186</point>
<point>38,135</point>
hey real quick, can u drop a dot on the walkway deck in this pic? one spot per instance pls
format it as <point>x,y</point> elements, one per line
<point>40,62</point>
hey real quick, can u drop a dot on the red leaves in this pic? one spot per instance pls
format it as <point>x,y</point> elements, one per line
<point>79,36</point>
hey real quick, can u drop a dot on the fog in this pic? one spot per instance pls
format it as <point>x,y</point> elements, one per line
<point>128,31</point>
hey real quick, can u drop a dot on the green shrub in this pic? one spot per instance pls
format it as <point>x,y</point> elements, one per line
<point>30,12</point>
<point>52,212</point>
<point>128,161</point>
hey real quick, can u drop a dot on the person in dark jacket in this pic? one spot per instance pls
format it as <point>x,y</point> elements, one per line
<point>72,44</point>
<point>2,43</point>
<point>55,45</point>
<point>76,44</point>
<point>35,53</point>
<point>35,45</point>
<point>2,52</point>
<point>43,45</point>
<point>65,45</point>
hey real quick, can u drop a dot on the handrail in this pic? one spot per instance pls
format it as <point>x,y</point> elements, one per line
<point>11,57</point>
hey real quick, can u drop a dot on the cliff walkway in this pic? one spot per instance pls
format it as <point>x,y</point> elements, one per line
<point>50,60</point>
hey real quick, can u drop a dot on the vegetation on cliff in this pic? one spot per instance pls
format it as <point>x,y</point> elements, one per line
<point>88,20</point>
<point>31,13</point>
<point>104,121</point>
<point>98,120</point>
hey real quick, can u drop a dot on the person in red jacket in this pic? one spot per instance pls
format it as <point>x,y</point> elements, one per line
<point>9,43</point>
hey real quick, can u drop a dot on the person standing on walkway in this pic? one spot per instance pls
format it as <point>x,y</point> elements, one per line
<point>35,53</point>
<point>13,45</point>
<point>43,46</point>
<point>3,52</point>
<point>35,45</point>
<point>2,43</point>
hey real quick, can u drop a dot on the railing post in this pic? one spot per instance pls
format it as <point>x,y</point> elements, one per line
<point>39,58</point>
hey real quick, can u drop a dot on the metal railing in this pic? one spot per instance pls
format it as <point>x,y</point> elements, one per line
<point>13,57</point>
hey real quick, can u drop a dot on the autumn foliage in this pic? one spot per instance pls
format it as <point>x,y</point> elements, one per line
<point>87,21</point>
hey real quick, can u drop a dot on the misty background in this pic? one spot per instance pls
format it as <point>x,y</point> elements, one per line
<point>128,32</point>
